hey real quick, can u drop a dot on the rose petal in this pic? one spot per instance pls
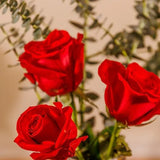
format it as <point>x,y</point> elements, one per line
<point>108,71</point>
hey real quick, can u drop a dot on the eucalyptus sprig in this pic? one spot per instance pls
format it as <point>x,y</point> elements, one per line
<point>25,12</point>
<point>128,42</point>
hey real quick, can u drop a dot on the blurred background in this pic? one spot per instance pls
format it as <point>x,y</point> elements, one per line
<point>144,141</point>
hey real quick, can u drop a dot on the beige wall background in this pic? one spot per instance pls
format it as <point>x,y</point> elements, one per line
<point>144,141</point>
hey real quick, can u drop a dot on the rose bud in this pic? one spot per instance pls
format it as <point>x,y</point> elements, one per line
<point>132,94</point>
<point>49,131</point>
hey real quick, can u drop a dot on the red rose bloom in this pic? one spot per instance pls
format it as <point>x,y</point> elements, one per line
<point>132,94</point>
<point>56,63</point>
<point>49,131</point>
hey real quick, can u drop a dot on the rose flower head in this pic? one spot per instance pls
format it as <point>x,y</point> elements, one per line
<point>49,131</point>
<point>56,63</point>
<point>132,94</point>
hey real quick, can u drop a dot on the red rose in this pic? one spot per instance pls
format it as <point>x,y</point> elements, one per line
<point>132,94</point>
<point>49,131</point>
<point>56,63</point>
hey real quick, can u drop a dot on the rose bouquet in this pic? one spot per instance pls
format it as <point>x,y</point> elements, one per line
<point>58,127</point>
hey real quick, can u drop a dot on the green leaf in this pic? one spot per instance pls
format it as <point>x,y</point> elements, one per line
<point>22,79</point>
<point>26,23</point>
<point>37,33</point>
<point>90,39</point>
<point>92,62</point>
<point>4,9</point>
<point>109,130</point>
<point>89,75</point>
<point>95,24</point>
<point>88,109</point>
<point>45,32</point>
<point>2,3</point>
<point>14,4</point>
<point>44,99</point>
<point>23,6</point>
<point>66,99</point>
<point>76,24</point>
<point>90,122</point>
<point>25,88</point>
<point>121,147</point>
<point>35,19</point>
<point>91,144</point>
<point>15,17</point>
<point>103,144</point>
<point>26,13</point>
<point>14,65</point>
<point>81,94</point>
<point>92,95</point>
<point>108,121</point>
<point>8,51</point>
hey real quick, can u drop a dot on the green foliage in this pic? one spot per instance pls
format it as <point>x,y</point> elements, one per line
<point>92,95</point>
<point>23,11</point>
<point>127,43</point>
<point>90,148</point>
<point>153,64</point>
<point>97,144</point>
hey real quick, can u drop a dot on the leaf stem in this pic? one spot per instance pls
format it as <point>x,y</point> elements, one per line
<point>9,40</point>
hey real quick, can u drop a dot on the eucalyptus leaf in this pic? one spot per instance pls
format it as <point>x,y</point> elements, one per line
<point>76,24</point>
<point>22,79</point>
<point>92,62</point>
<point>26,23</point>
<point>25,88</point>
<point>35,19</point>
<point>88,109</point>
<point>92,95</point>
<point>66,99</point>
<point>14,4</point>
<point>90,122</point>
<point>4,9</point>
<point>2,3</point>
<point>95,24</point>
<point>37,33</point>
<point>89,75</point>
<point>90,39</point>
<point>23,6</point>
<point>44,99</point>
<point>15,17</point>
<point>45,32</point>
<point>10,2</point>
<point>14,65</point>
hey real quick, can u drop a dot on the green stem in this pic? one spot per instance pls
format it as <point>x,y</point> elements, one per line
<point>95,54</point>
<point>56,98</point>
<point>85,29</point>
<point>79,155</point>
<point>117,42</point>
<point>9,41</point>
<point>37,94</point>
<point>112,141</point>
<point>74,109</point>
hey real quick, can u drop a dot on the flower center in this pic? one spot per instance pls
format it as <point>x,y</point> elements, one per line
<point>34,125</point>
